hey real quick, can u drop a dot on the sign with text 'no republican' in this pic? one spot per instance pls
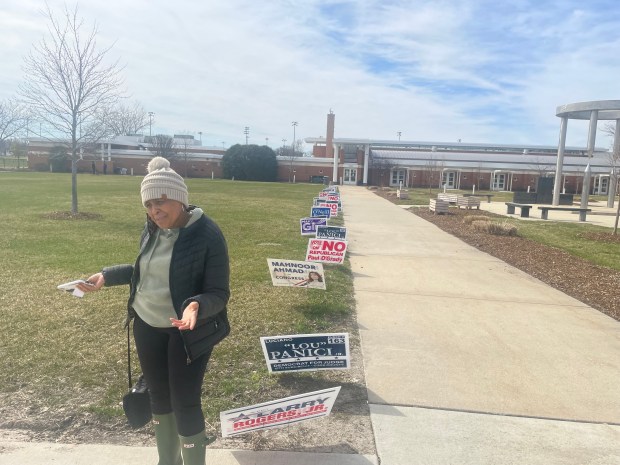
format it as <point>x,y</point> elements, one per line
<point>279,412</point>
<point>326,251</point>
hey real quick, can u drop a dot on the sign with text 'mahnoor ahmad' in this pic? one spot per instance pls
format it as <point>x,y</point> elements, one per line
<point>278,413</point>
<point>306,352</point>
<point>308,225</point>
<point>293,273</point>
<point>331,232</point>
<point>326,251</point>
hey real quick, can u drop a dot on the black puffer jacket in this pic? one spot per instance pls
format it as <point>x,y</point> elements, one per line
<point>199,272</point>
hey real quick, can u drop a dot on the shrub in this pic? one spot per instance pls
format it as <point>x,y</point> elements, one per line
<point>495,228</point>
<point>469,219</point>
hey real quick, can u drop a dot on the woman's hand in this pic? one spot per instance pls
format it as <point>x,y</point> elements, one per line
<point>94,283</point>
<point>190,316</point>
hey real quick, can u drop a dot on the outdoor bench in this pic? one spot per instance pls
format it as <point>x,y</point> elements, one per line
<point>450,198</point>
<point>544,211</point>
<point>488,196</point>
<point>438,206</point>
<point>525,209</point>
<point>468,202</point>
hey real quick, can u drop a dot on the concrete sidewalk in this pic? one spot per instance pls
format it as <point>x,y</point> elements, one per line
<point>471,361</point>
<point>467,360</point>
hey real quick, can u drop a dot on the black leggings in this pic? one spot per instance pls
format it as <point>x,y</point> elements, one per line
<point>174,385</point>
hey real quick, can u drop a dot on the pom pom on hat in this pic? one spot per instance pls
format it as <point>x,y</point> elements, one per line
<point>158,163</point>
<point>162,182</point>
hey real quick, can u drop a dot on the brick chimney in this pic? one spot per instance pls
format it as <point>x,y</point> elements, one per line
<point>329,141</point>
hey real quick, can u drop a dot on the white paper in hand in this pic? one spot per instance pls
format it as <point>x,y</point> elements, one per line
<point>71,286</point>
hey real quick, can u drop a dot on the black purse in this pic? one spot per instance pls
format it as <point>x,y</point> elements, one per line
<point>137,402</point>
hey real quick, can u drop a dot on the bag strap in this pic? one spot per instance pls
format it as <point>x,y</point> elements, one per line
<point>128,357</point>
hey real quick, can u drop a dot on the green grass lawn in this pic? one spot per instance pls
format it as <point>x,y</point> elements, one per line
<point>57,348</point>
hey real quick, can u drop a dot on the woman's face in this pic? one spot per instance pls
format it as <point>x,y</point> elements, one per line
<point>314,276</point>
<point>166,213</point>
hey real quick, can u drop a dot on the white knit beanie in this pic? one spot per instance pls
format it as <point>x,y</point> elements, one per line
<point>162,182</point>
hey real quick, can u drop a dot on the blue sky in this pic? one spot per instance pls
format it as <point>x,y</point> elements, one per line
<point>479,71</point>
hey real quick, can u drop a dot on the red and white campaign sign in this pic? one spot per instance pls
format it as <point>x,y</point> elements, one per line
<point>333,206</point>
<point>278,412</point>
<point>326,251</point>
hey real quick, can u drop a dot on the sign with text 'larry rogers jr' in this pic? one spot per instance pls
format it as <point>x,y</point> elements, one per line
<point>307,352</point>
<point>279,412</point>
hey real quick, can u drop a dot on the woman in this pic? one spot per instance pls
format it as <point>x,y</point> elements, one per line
<point>314,279</point>
<point>179,288</point>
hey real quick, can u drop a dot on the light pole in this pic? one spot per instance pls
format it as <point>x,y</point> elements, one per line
<point>246,131</point>
<point>151,114</point>
<point>200,134</point>
<point>290,171</point>
<point>267,141</point>
<point>398,134</point>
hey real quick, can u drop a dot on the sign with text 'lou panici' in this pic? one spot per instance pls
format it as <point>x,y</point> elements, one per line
<point>331,232</point>
<point>293,273</point>
<point>308,225</point>
<point>307,352</point>
<point>279,412</point>
<point>326,251</point>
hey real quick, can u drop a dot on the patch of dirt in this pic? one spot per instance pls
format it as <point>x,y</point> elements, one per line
<point>25,417</point>
<point>594,285</point>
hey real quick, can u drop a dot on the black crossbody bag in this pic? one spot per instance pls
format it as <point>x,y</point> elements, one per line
<point>137,402</point>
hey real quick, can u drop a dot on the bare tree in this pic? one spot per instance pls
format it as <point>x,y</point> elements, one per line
<point>185,142</point>
<point>68,85</point>
<point>433,168</point>
<point>125,120</point>
<point>163,145</point>
<point>13,119</point>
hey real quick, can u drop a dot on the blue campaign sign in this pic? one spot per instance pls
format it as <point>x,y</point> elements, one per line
<point>307,352</point>
<point>309,225</point>
<point>331,232</point>
<point>320,212</point>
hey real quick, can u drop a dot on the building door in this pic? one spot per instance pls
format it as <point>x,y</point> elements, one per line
<point>350,176</point>
<point>499,182</point>
<point>601,184</point>
<point>448,179</point>
<point>398,178</point>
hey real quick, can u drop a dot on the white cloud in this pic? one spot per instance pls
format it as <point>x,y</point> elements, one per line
<point>435,70</point>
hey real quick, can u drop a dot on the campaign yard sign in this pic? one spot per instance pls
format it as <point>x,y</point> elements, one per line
<point>279,412</point>
<point>333,207</point>
<point>307,352</point>
<point>308,225</point>
<point>331,232</point>
<point>326,251</point>
<point>320,212</point>
<point>294,273</point>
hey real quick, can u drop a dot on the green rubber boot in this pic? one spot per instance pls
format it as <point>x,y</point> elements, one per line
<point>194,448</point>
<point>168,445</point>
